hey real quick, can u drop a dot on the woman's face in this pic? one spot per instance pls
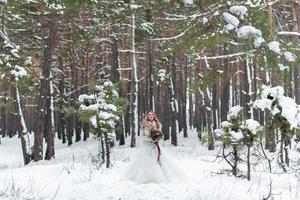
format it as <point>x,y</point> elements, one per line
<point>151,116</point>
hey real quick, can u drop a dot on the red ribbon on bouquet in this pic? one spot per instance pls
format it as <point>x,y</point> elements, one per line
<point>158,154</point>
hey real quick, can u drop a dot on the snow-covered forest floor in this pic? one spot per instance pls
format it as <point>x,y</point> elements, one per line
<point>73,175</point>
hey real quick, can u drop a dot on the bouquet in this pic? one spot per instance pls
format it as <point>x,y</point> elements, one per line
<point>156,135</point>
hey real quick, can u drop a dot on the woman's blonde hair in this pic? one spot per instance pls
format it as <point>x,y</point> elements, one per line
<point>146,119</point>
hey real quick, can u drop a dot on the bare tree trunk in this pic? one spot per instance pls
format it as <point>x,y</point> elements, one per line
<point>3,116</point>
<point>209,125</point>
<point>271,17</point>
<point>116,75</point>
<point>256,111</point>
<point>149,83</point>
<point>214,108</point>
<point>225,92</point>
<point>190,98</point>
<point>22,128</point>
<point>247,82</point>
<point>85,77</point>
<point>248,162</point>
<point>172,94</point>
<point>198,115</point>
<point>78,126</point>
<point>107,150</point>
<point>296,24</point>
<point>86,131</point>
<point>50,152</point>
<point>184,101</point>
<point>61,114</point>
<point>235,160</point>
<point>49,124</point>
<point>70,128</point>
<point>165,108</point>
<point>134,88</point>
<point>45,87</point>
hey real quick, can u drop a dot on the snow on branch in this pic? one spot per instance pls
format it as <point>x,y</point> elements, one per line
<point>289,33</point>
<point>174,17</point>
<point>171,38</point>
<point>224,56</point>
<point>273,2</point>
<point>125,51</point>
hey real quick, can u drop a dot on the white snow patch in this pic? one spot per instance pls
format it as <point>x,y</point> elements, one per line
<point>148,27</point>
<point>283,67</point>
<point>275,92</point>
<point>188,2</point>
<point>73,175</point>
<point>83,97</point>
<point>18,72</point>
<point>162,74</point>
<point>239,10</point>
<point>93,120</point>
<point>225,124</point>
<point>258,42</point>
<point>289,56</point>
<point>246,31</point>
<point>263,104</point>
<point>236,135</point>
<point>252,125</point>
<point>15,53</point>
<point>108,84</point>
<point>28,61</point>
<point>231,19</point>
<point>234,112</point>
<point>219,132</point>
<point>229,27</point>
<point>275,47</point>
<point>135,6</point>
<point>93,107</point>
<point>106,115</point>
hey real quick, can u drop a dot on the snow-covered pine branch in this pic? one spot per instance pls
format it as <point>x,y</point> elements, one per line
<point>285,117</point>
<point>274,100</point>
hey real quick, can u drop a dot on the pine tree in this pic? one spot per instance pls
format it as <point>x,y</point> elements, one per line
<point>103,110</point>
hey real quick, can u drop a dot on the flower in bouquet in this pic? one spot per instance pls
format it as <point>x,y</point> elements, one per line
<point>156,135</point>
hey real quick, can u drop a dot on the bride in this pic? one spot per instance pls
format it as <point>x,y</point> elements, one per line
<point>151,164</point>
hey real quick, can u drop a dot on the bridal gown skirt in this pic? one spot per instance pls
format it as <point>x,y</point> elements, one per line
<point>145,168</point>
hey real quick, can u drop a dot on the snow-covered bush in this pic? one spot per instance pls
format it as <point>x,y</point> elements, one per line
<point>285,116</point>
<point>236,133</point>
<point>102,110</point>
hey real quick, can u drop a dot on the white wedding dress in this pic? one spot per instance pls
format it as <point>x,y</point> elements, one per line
<point>145,167</point>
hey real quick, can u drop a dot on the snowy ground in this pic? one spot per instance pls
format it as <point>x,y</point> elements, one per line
<point>72,175</point>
